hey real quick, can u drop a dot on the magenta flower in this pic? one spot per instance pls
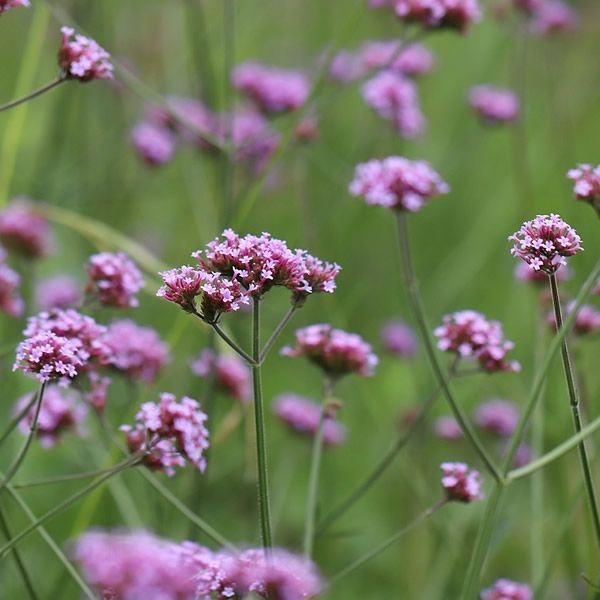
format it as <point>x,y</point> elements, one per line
<point>253,139</point>
<point>181,286</point>
<point>231,374</point>
<point>524,273</point>
<point>303,415</point>
<point>272,90</point>
<point>25,231</point>
<point>544,242</point>
<point>494,105</point>
<point>195,123</point>
<point>155,145</point>
<point>11,302</point>
<point>82,58</point>
<point>61,411</point>
<point>97,393</point>
<point>60,291</point>
<point>587,184</point>
<point>333,350</point>
<point>460,483</point>
<point>587,319</point>
<point>433,14</point>
<point>114,279</point>
<point>398,183</point>
<point>395,98</point>
<point>169,432</point>
<point>553,16</point>
<point>505,589</point>
<point>137,351</point>
<point>497,416</point>
<point>8,4</point>
<point>345,67</point>
<point>414,59</point>
<point>447,428</point>
<point>398,338</point>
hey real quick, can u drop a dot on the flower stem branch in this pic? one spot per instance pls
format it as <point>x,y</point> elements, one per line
<point>235,347</point>
<point>42,90</point>
<point>14,422</point>
<point>276,332</point>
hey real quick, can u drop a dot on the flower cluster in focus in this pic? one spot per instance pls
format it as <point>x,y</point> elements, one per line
<point>82,58</point>
<point>460,483</point>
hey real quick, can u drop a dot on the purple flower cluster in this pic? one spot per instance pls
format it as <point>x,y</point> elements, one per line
<point>587,319</point>
<point>505,589</point>
<point>433,14</point>
<point>544,242</point>
<point>333,350</point>
<point>398,338</point>
<point>303,415</point>
<point>524,273</point>
<point>398,183</point>
<point>447,428</point>
<point>494,105</point>
<point>460,483</point>
<point>235,269</point>
<point>24,231</point>
<point>231,374</point>
<point>82,58</point>
<point>114,279</point>
<point>497,416</point>
<point>60,291</point>
<point>61,411</point>
<point>587,184</point>
<point>469,334</point>
<point>170,432</point>
<point>155,145</point>
<point>137,565</point>
<point>552,16</point>
<point>11,302</point>
<point>395,98</point>
<point>8,4</point>
<point>272,90</point>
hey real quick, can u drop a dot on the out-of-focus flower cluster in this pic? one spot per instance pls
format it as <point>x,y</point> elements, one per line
<point>460,483</point>
<point>505,589</point>
<point>24,230</point>
<point>398,338</point>
<point>587,319</point>
<point>82,58</point>
<point>587,184</point>
<point>11,302</point>
<point>493,104</point>
<point>8,4</point>
<point>335,351</point>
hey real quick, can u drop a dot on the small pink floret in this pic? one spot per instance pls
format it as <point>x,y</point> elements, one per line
<point>24,230</point>
<point>553,16</point>
<point>231,374</point>
<point>461,483</point>
<point>154,144</point>
<point>505,589</point>
<point>433,14</point>
<point>60,291</point>
<point>447,428</point>
<point>494,105</point>
<point>400,339</point>
<point>497,416</point>
<point>11,302</point>
<point>8,4</point>
<point>82,58</point>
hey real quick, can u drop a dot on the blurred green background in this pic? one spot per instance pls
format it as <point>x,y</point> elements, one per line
<point>70,149</point>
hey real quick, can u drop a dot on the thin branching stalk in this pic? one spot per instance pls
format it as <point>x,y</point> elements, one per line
<point>414,297</point>
<point>264,507</point>
<point>14,422</point>
<point>42,90</point>
<point>235,347</point>
<point>315,469</point>
<point>14,467</point>
<point>574,402</point>
<point>276,332</point>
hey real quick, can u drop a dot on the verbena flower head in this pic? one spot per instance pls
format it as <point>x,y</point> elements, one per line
<point>414,59</point>
<point>397,183</point>
<point>544,243</point>
<point>505,589</point>
<point>433,14</point>
<point>587,319</point>
<point>447,428</point>
<point>333,350</point>
<point>114,279</point>
<point>587,184</point>
<point>170,432</point>
<point>11,302</point>
<point>469,334</point>
<point>61,411</point>
<point>524,273</point>
<point>136,565</point>
<point>395,98</point>
<point>397,337</point>
<point>231,374</point>
<point>273,90</point>
<point>253,138</point>
<point>497,416</point>
<point>193,121</point>
<point>155,145</point>
<point>460,483</point>
<point>553,16</point>
<point>8,4</point>
<point>303,415</point>
<point>60,291</point>
<point>82,58</point>
<point>25,231</point>
<point>493,104</point>
<point>137,351</point>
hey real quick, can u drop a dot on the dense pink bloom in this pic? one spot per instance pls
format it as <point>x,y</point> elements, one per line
<point>8,4</point>
<point>524,273</point>
<point>253,139</point>
<point>395,99</point>
<point>170,433</point>
<point>335,351</point>
<point>544,242</point>
<point>497,416</point>
<point>82,58</point>
<point>231,374</point>
<point>346,66</point>
<point>397,182</point>
<point>494,105</point>
<point>454,14</point>
<point>11,302</point>
<point>25,231</point>
<point>447,428</point>
<point>193,121</point>
<point>505,589</point>
<point>397,337</point>
<point>553,16</point>
<point>586,321</point>
<point>303,415</point>
<point>469,334</point>
<point>61,411</point>
<point>137,351</point>
<point>154,144</point>
<point>587,184</point>
<point>136,566</point>
<point>272,90</point>
<point>460,483</point>
<point>61,291</point>
<point>181,286</point>
<point>413,59</point>
<point>114,279</point>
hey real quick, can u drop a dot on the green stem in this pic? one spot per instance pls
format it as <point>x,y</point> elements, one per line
<point>14,467</point>
<point>315,468</point>
<point>62,478</point>
<point>14,422</point>
<point>264,508</point>
<point>276,332</point>
<point>574,401</point>
<point>383,546</point>
<point>45,88</point>
<point>18,560</point>
<point>235,347</point>
<point>412,287</point>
